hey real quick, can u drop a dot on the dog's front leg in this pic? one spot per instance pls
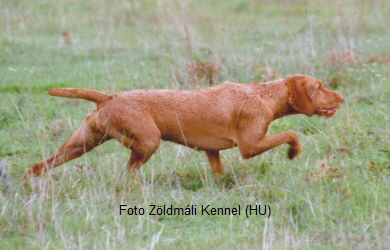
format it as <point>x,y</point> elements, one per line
<point>250,147</point>
<point>215,162</point>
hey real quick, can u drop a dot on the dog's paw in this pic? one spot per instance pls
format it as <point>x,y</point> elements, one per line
<point>294,151</point>
<point>295,146</point>
<point>33,171</point>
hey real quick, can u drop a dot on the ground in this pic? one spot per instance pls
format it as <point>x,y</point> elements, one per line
<point>334,195</point>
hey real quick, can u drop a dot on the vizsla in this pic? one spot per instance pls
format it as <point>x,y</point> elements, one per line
<point>209,119</point>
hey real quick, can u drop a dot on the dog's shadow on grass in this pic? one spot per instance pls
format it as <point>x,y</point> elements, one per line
<point>192,180</point>
<point>238,176</point>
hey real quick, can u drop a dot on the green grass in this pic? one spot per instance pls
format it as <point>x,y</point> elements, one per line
<point>126,45</point>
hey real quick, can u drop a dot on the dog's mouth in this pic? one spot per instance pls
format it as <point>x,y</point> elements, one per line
<point>326,112</point>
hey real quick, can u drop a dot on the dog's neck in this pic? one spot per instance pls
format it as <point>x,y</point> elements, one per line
<point>276,95</point>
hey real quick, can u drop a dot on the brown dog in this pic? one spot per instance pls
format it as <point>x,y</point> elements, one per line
<point>209,119</point>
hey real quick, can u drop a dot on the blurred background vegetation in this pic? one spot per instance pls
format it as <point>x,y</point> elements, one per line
<point>335,195</point>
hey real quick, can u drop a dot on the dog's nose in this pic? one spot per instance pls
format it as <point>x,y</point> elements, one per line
<point>341,98</point>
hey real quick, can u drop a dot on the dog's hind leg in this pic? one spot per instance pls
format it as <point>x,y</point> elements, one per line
<point>142,150</point>
<point>142,137</point>
<point>82,141</point>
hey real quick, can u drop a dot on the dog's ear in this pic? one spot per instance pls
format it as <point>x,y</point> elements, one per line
<point>298,97</point>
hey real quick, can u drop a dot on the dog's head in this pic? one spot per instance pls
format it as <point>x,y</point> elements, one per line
<point>307,96</point>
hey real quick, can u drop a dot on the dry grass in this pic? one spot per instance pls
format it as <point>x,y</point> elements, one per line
<point>384,58</point>
<point>125,45</point>
<point>339,59</point>
<point>198,74</point>
<point>265,73</point>
<point>66,39</point>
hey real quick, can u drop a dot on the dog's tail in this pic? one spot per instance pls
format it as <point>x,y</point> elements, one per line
<point>90,95</point>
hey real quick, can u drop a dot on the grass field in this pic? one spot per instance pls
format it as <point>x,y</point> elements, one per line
<point>335,195</point>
